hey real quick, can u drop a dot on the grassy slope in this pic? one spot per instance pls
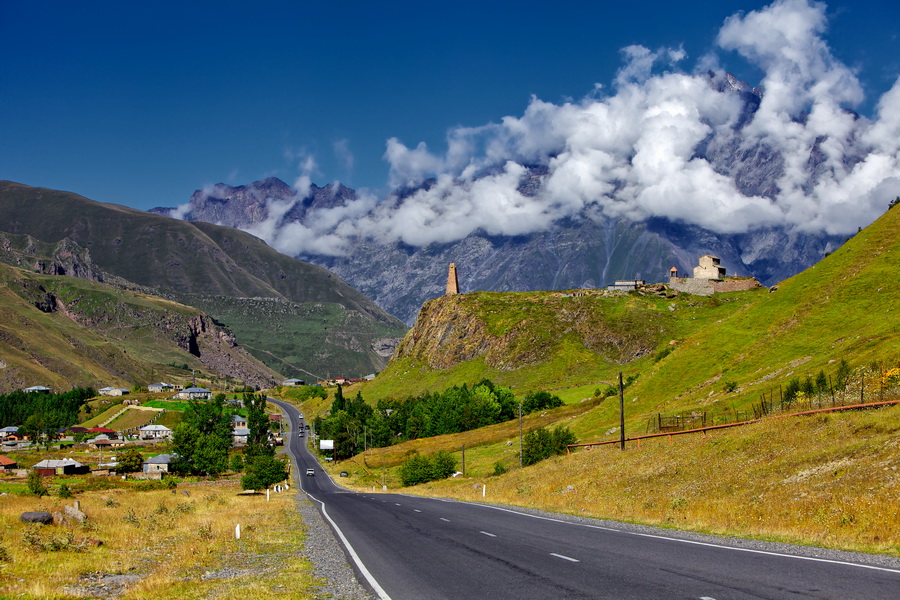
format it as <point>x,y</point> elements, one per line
<point>162,543</point>
<point>121,341</point>
<point>843,307</point>
<point>823,480</point>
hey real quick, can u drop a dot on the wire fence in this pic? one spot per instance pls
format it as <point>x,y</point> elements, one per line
<point>867,386</point>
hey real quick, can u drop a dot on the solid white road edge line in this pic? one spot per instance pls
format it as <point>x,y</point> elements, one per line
<point>359,563</point>
<point>487,534</point>
<point>694,542</point>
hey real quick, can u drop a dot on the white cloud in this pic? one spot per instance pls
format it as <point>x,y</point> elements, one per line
<point>634,152</point>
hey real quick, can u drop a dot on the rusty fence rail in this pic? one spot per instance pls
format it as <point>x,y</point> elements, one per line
<point>703,430</point>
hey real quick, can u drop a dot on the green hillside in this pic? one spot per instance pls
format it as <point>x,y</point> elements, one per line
<point>63,331</point>
<point>220,270</point>
<point>684,353</point>
<point>826,480</point>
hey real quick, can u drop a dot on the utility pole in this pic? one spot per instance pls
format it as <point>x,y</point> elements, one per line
<point>520,435</point>
<point>621,413</point>
<point>463,460</point>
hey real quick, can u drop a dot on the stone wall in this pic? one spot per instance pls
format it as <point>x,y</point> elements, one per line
<point>708,287</point>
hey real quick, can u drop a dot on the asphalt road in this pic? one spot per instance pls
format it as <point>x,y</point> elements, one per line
<point>406,547</point>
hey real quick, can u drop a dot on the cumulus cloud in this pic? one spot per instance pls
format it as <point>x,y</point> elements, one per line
<point>638,151</point>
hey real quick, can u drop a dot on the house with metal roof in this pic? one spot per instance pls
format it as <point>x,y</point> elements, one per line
<point>194,393</point>
<point>65,466</point>
<point>155,432</point>
<point>158,464</point>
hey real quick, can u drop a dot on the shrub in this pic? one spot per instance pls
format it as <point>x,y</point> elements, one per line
<point>36,487</point>
<point>663,353</point>
<point>420,469</point>
<point>542,443</point>
<point>500,468</point>
<point>64,491</point>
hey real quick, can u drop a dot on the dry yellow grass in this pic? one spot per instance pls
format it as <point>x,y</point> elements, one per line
<point>828,480</point>
<point>158,544</point>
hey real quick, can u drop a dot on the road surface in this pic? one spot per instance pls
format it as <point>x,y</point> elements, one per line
<point>407,547</point>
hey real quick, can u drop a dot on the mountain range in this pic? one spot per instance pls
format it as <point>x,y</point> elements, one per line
<point>297,318</point>
<point>584,250</point>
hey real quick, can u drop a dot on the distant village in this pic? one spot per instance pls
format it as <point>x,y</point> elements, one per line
<point>101,438</point>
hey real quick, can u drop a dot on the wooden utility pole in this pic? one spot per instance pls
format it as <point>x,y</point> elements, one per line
<point>621,413</point>
<point>463,460</point>
<point>520,435</point>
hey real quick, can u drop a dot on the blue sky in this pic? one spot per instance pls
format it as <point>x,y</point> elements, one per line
<point>141,103</point>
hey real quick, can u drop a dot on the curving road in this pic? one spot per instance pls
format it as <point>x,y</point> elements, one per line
<point>408,547</point>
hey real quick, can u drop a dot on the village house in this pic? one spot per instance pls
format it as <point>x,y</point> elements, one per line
<point>158,464</point>
<point>293,382</point>
<point>194,393</point>
<point>158,388</point>
<point>154,432</point>
<point>113,391</point>
<point>7,464</point>
<point>8,431</point>
<point>238,421</point>
<point>109,433</point>
<point>37,388</point>
<point>239,436</point>
<point>65,466</point>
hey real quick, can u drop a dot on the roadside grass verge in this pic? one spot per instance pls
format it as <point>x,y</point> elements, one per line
<point>826,480</point>
<point>160,543</point>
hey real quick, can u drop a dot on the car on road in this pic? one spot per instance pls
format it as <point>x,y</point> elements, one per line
<point>310,472</point>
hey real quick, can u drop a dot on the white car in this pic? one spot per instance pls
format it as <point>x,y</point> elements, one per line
<point>310,472</point>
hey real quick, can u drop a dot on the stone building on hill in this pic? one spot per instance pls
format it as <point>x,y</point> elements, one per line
<point>709,268</point>
<point>452,281</point>
<point>709,278</point>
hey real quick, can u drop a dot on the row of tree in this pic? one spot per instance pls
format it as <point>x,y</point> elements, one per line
<point>355,425</point>
<point>41,414</point>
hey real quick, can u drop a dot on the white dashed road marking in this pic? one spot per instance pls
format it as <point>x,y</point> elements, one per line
<point>568,558</point>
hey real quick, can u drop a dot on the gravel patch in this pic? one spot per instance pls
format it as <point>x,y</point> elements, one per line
<point>327,556</point>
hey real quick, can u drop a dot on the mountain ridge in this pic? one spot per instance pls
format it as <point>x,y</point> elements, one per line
<point>203,265</point>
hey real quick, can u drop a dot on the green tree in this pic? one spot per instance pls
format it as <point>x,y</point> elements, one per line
<point>237,463</point>
<point>821,383</point>
<point>203,438</point>
<point>338,403</point>
<point>263,471</point>
<point>130,461</point>
<point>791,390</point>
<point>258,424</point>
<point>540,401</point>
<point>842,378</point>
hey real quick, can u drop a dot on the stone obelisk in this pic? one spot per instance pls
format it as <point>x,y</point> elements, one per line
<point>452,281</point>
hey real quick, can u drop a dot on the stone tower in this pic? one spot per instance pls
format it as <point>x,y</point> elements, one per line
<point>452,281</point>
